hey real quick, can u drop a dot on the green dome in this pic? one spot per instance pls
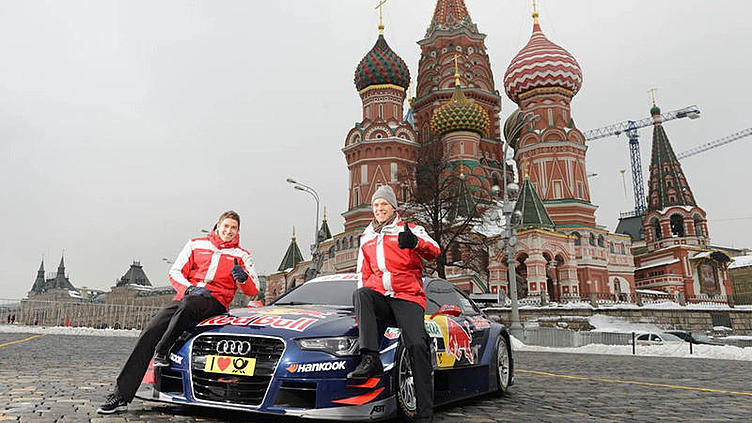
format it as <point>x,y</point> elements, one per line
<point>655,110</point>
<point>460,114</point>
<point>381,66</point>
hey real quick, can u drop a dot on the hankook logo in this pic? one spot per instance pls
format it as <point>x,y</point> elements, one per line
<point>230,346</point>
<point>316,367</point>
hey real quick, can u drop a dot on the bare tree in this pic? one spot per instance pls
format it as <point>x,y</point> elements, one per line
<point>449,205</point>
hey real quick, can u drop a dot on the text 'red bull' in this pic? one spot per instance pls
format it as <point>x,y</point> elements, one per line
<point>298,325</point>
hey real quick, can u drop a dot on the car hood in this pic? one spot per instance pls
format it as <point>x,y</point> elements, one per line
<point>302,321</point>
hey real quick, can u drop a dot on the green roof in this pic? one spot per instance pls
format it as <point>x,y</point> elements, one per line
<point>292,257</point>
<point>534,214</point>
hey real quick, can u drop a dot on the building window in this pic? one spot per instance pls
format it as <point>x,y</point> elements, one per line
<point>580,191</point>
<point>364,174</point>
<point>592,240</point>
<point>557,190</point>
<point>396,115</point>
<point>601,242</point>
<point>381,111</point>
<point>677,225</point>
<point>393,168</point>
<point>611,247</point>
<point>577,238</point>
<point>368,112</point>
<point>621,248</point>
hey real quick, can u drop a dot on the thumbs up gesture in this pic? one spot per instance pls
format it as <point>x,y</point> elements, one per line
<point>238,273</point>
<point>407,239</point>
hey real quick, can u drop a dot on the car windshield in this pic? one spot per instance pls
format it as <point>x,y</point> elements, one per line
<point>667,337</point>
<point>703,338</point>
<point>337,292</point>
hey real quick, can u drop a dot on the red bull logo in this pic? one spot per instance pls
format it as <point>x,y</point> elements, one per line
<point>458,341</point>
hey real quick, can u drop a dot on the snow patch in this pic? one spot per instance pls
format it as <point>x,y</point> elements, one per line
<point>68,330</point>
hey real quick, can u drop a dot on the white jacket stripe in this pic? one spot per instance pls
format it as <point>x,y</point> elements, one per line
<point>176,271</point>
<point>386,277</point>
<point>421,233</point>
<point>212,270</point>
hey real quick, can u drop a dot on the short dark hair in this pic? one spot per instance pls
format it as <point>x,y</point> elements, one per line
<point>230,214</point>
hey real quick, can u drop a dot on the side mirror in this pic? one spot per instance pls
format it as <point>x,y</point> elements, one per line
<point>255,304</point>
<point>448,310</point>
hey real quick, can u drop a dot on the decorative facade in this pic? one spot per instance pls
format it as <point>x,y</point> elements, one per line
<point>678,257</point>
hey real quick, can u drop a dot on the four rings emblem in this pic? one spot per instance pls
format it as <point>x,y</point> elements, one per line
<point>233,347</point>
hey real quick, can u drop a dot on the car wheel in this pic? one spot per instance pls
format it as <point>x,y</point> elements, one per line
<point>403,383</point>
<point>502,365</point>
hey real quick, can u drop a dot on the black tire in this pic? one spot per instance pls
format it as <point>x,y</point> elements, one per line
<point>502,363</point>
<point>404,389</point>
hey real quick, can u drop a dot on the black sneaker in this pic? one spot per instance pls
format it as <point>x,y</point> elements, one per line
<point>113,404</point>
<point>369,367</point>
<point>161,361</point>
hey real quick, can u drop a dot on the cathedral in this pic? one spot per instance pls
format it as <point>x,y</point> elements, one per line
<point>561,250</point>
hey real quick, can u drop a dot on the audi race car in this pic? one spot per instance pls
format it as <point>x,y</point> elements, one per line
<point>292,357</point>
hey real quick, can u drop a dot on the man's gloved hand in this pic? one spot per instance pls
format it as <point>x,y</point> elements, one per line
<point>197,290</point>
<point>238,273</point>
<point>407,239</point>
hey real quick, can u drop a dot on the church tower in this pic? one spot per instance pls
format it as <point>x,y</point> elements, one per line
<point>673,216</point>
<point>382,146</point>
<point>542,79</point>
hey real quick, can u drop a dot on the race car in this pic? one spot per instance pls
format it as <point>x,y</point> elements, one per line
<point>292,357</point>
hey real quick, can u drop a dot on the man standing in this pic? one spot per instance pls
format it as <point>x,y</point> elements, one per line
<point>205,275</point>
<point>390,289</point>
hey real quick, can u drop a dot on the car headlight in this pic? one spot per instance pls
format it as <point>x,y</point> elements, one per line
<point>338,345</point>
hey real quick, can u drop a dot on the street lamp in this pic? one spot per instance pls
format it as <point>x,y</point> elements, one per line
<point>305,188</point>
<point>512,220</point>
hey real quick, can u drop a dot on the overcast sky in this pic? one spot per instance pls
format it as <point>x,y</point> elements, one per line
<point>127,127</point>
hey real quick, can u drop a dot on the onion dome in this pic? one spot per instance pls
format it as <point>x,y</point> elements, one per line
<point>655,110</point>
<point>381,66</point>
<point>541,64</point>
<point>460,114</point>
<point>512,127</point>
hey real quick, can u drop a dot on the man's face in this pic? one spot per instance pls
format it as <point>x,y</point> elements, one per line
<point>227,229</point>
<point>382,210</point>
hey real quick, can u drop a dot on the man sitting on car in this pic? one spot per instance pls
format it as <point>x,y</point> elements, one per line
<point>205,275</point>
<point>390,289</point>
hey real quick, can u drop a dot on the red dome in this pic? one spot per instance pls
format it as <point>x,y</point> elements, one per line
<point>541,64</point>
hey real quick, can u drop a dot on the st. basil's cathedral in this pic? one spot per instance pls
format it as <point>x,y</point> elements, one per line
<point>561,249</point>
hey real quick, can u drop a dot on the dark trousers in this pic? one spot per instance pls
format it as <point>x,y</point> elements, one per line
<point>375,312</point>
<point>160,333</point>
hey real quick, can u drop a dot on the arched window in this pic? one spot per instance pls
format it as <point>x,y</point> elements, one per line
<point>577,238</point>
<point>698,222</point>
<point>656,228</point>
<point>601,242</point>
<point>592,240</point>
<point>677,225</point>
<point>611,247</point>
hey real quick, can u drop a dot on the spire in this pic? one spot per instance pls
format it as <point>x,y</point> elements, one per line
<point>530,206</point>
<point>535,16</point>
<point>668,186</point>
<point>292,256</point>
<point>449,14</point>
<point>456,71</point>
<point>381,16</point>
<point>41,266</point>
<point>324,232</point>
<point>61,266</point>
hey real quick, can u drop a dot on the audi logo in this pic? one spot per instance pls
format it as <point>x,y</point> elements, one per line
<point>233,347</point>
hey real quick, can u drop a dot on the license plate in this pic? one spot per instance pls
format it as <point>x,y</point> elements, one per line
<point>242,366</point>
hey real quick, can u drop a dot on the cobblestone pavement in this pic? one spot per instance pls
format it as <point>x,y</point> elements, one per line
<point>57,378</point>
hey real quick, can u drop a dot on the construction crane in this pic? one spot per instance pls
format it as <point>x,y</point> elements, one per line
<point>630,128</point>
<point>713,144</point>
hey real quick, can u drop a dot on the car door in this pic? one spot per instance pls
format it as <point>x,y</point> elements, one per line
<point>451,336</point>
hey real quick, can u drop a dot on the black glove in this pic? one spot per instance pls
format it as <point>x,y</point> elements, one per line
<point>238,273</point>
<point>407,239</point>
<point>197,290</point>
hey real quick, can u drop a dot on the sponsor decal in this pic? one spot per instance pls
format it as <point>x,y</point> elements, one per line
<point>176,358</point>
<point>230,365</point>
<point>432,328</point>
<point>294,312</point>
<point>392,333</point>
<point>479,322</point>
<point>299,325</point>
<point>325,366</point>
<point>378,409</point>
<point>459,340</point>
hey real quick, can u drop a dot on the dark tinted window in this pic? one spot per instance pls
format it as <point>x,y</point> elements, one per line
<point>440,292</point>
<point>325,292</point>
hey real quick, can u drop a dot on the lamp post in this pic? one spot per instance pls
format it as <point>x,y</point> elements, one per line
<point>511,221</point>
<point>305,188</point>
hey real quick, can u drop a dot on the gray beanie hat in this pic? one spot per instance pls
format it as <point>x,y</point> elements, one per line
<point>385,192</point>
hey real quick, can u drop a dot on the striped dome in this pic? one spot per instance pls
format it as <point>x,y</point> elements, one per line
<point>381,66</point>
<point>460,114</point>
<point>541,64</point>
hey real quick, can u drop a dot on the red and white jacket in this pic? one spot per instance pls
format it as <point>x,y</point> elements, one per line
<point>386,268</point>
<point>207,262</point>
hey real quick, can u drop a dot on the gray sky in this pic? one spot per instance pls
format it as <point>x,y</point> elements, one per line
<point>127,127</point>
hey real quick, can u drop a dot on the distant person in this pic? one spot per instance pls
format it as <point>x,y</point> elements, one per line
<point>390,291</point>
<point>13,318</point>
<point>205,275</point>
<point>36,320</point>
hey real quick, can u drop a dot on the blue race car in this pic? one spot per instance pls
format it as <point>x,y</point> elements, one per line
<point>292,357</point>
